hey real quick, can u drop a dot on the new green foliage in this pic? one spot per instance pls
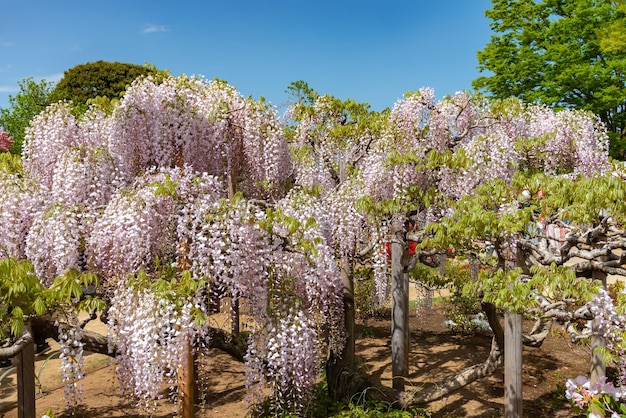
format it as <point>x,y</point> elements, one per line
<point>22,296</point>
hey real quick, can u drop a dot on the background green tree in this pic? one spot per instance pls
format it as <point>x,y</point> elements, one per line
<point>97,80</point>
<point>565,54</point>
<point>32,98</point>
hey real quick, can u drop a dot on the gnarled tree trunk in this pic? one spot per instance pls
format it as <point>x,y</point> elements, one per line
<point>343,381</point>
<point>468,375</point>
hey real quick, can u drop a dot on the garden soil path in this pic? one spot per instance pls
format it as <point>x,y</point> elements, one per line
<point>436,353</point>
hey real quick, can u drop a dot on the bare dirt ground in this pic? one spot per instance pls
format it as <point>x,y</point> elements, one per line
<point>436,352</point>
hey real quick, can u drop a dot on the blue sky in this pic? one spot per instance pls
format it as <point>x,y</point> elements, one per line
<point>369,51</point>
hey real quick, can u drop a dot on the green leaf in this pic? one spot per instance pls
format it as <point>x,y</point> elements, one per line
<point>39,306</point>
<point>17,313</point>
<point>17,325</point>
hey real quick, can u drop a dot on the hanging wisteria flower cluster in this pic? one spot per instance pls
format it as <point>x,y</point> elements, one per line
<point>208,126</point>
<point>54,241</point>
<point>252,258</point>
<point>610,323</point>
<point>75,177</point>
<point>290,363</point>
<point>279,263</point>
<point>603,397</point>
<point>136,226</point>
<point>454,145</point>
<point>71,348</point>
<point>380,263</point>
<point>18,203</point>
<point>492,138</point>
<point>148,331</point>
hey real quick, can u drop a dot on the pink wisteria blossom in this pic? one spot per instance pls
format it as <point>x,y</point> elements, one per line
<point>5,141</point>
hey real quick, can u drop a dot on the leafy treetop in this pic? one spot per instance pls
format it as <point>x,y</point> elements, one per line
<point>562,54</point>
<point>86,82</point>
<point>32,98</point>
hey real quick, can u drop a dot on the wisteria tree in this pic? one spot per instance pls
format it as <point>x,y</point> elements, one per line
<point>469,170</point>
<point>330,140</point>
<point>178,193</point>
<point>408,175</point>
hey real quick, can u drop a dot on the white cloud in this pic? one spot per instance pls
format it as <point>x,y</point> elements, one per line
<point>150,28</point>
<point>7,44</point>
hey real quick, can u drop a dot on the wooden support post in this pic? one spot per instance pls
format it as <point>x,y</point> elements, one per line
<point>442,259</point>
<point>598,368</point>
<point>399,315</point>
<point>512,365</point>
<point>26,382</point>
<point>187,380</point>
<point>187,369</point>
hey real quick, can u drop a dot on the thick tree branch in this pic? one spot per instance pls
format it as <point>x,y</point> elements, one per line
<point>18,345</point>
<point>461,379</point>
<point>606,267</point>
<point>538,334</point>
<point>98,343</point>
